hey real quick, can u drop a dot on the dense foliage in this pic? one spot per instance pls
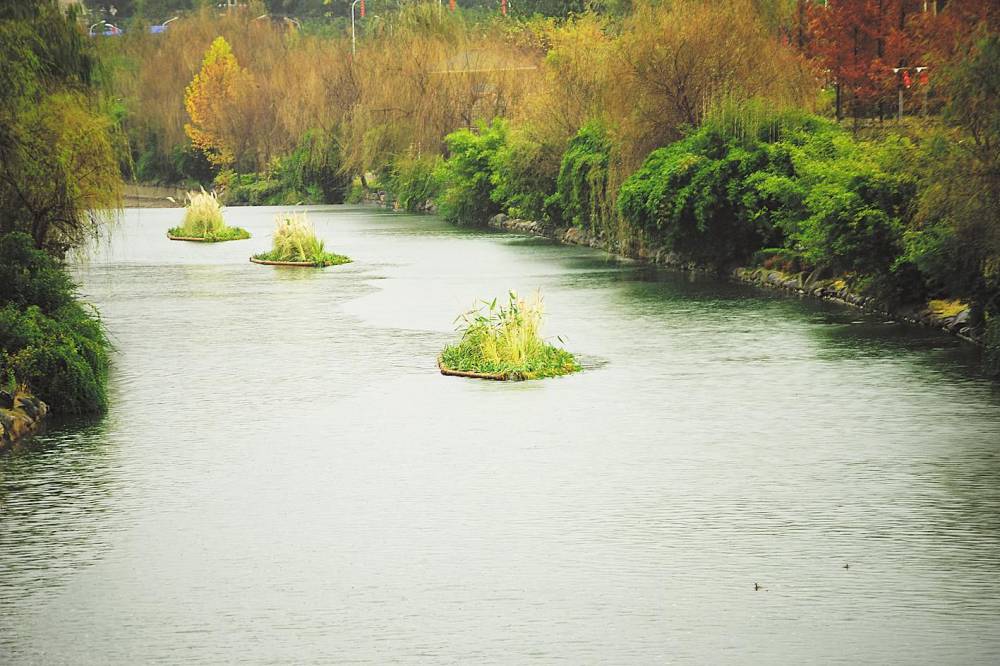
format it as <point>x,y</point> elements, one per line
<point>708,129</point>
<point>58,162</point>
<point>50,343</point>
<point>466,197</point>
<point>738,185</point>
<point>59,176</point>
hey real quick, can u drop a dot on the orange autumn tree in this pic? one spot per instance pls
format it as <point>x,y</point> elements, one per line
<point>213,100</point>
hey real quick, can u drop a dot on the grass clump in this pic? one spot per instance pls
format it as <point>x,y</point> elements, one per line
<point>505,340</point>
<point>295,241</point>
<point>203,220</point>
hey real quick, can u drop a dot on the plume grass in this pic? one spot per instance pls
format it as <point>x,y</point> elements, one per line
<point>295,241</point>
<point>203,219</point>
<point>506,340</point>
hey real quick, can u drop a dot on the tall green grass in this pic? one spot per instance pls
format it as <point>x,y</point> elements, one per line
<point>295,241</point>
<point>203,219</point>
<point>506,340</point>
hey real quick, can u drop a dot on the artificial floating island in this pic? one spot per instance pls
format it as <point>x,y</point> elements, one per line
<point>203,221</point>
<point>296,244</point>
<point>503,342</point>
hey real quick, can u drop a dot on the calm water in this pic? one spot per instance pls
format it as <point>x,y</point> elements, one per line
<point>285,477</point>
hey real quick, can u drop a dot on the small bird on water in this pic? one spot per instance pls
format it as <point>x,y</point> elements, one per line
<point>847,566</point>
<point>758,586</point>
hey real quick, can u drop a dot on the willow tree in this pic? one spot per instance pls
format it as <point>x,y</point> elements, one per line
<point>58,161</point>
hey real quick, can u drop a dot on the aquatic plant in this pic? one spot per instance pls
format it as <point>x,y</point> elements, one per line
<point>505,341</point>
<point>203,220</point>
<point>295,241</point>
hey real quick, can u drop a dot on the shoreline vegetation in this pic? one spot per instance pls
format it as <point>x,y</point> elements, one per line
<point>295,244</point>
<point>503,342</point>
<point>60,183</point>
<point>847,149</point>
<point>949,316</point>
<point>203,221</point>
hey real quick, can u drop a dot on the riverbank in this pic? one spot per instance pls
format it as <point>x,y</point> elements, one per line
<point>153,196</point>
<point>834,289</point>
<point>954,321</point>
<point>21,415</point>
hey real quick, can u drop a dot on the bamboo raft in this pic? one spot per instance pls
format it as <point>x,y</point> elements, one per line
<point>499,377</point>
<point>300,264</point>
<point>190,238</point>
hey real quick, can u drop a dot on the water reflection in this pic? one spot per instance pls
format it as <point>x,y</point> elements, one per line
<point>57,505</point>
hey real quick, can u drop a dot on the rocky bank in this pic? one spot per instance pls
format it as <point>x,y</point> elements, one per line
<point>20,415</point>
<point>814,284</point>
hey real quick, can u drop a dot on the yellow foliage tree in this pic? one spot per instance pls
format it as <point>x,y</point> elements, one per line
<point>212,101</point>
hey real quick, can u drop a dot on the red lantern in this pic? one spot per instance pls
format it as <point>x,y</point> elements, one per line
<point>362,8</point>
<point>907,81</point>
<point>924,79</point>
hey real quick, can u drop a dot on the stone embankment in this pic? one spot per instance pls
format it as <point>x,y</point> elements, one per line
<point>153,196</point>
<point>807,284</point>
<point>20,415</point>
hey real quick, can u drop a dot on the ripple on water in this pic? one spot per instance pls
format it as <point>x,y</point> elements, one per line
<point>284,476</point>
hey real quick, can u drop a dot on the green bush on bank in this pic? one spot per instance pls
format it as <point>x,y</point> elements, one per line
<point>411,180</point>
<point>466,176</point>
<point>524,174</point>
<point>582,184</point>
<point>786,180</point>
<point>308,175</point>
<point>49,342</point>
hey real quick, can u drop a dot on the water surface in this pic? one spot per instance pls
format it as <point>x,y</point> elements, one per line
<point>284,477</point>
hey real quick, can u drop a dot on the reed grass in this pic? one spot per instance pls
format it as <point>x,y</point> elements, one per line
<point>506,340</point>
<point>295,241</point>
<point>203,219</point>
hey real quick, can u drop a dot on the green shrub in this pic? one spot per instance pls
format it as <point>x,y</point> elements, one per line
<point>30,277</point>
<point>524,175</point>
<point>856,208</point>
<point>356,194</point>
<point>582,184</point>
<point>255,189</point>
<point>712,198</point>
<point>49,343</point>
<point>743,182</point>
<point>465,175</point>
<point>310,174</point>
<point>412,180</point>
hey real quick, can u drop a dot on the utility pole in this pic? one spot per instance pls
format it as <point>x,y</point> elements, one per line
<point>354,48</point>
<point>902,74</point>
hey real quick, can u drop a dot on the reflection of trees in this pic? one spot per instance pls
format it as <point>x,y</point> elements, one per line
<point>58,504</point>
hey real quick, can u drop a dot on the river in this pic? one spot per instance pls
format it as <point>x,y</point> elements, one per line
<point>284,476</point>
